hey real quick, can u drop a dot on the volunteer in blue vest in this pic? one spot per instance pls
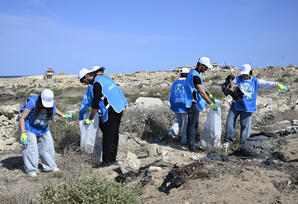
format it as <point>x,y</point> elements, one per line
<point>110,100</point>
<point>249,85</point>
<point>197,95</point>
<point>36,138</point>
<point>88,96</point>
<point>177,101</point>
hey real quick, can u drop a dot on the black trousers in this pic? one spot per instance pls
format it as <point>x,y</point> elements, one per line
<point>110,130</point>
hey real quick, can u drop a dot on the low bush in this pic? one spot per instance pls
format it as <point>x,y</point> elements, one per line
<point>65,133</point>
<point>88,189</point>
<point>216,92</point>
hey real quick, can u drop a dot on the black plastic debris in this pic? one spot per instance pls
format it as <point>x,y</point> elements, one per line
<point>214,157</point>
<point>175,182</point>
<point>230,88</point>
<point>255,147</point>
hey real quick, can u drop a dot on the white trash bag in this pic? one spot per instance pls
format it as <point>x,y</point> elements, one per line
<point>211,134</point>
<point>90,143</point>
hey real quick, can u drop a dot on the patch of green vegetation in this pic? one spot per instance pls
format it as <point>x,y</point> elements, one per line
<point>162,93</point>
<point>73,100</point>
<point>216,92</point>
<point>88,189</point>
<point>296,80</point>
<point>65,133</point>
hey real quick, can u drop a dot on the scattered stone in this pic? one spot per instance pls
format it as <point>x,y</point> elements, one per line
<point>129,163</point>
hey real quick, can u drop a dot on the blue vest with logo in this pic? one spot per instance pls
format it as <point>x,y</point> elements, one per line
<point>250,92</point>
<point>86,102</point>
<point>190,88</point>
<point>177,97</point>
<point>39,125</point>
<point>113,94</point>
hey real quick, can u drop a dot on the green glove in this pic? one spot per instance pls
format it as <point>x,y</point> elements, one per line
<point>89,109</point>
<point>212,98</point>
<point>88,121</point>
<point>282,88</point>
<point>213,106</point>
<point>24,139</point>
<point>67,116</point>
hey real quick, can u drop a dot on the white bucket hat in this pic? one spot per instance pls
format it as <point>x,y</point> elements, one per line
<point>205,61</point>
<point>96,68</point>
<point>184,71</point>
<point>83,72</point>
<point>47,98</point>
<point>245,69</point>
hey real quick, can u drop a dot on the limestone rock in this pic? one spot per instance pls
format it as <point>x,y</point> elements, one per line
<point>129,162</point>
<point>148,102</point>
<point>152,149</point>
<point>9,110</point>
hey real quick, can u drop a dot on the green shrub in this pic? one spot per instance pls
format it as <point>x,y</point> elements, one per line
<point>216,92</point>
<point>296,80</point>
<point>88,189</point>
<point>162,93</point>
<point>65,133</point>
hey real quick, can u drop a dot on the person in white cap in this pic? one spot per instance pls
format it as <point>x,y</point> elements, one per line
<point>197,95</point>
<point>36,138</point>
<point>244,107</point>
<point>88,96</point>
<point>177,101</point>
<point>98,70</point>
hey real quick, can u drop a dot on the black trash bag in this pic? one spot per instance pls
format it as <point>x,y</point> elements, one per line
<point>230,88</point>
<point>255,147</point>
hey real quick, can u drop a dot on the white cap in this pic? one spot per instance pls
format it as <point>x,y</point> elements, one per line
<point>83,72</point>
<point>185,71</point>
<point>245,69</point>
<point>205,61</point>
<point>47,98</point>
<point>95,68</point>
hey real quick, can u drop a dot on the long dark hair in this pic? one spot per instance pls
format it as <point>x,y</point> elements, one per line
<point>39,106</point>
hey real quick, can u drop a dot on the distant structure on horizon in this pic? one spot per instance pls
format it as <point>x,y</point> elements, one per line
<point>49,73</point>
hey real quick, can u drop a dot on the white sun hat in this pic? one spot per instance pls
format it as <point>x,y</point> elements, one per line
<point>185,71</point>
<point>83,72</point>
<point>245,69</point>
<point>47,98</point>
<point>205,61</point>
<point>96,68</point>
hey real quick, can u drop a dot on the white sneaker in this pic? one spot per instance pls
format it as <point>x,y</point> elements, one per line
<point>32,174</point>
<point>226,146</point>
<point>55,170</point>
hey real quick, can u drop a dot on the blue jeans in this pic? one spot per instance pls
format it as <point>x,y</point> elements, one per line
<point>180,124</point>
<point>245,123</point>
<point>39,145</point>
<point>192,124</point>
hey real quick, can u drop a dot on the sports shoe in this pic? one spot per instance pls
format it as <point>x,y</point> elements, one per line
<point>55,170</point>
<point>32,174</point>
<point>226,146</point>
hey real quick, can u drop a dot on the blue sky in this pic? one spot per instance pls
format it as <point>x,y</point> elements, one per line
<point>132,35</point>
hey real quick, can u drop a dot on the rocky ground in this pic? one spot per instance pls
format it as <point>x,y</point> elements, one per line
<point>235,180</point>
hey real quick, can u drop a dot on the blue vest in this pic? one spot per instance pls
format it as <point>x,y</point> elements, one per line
<point>177,97</point>
<point>190,88</point>
<point>86,101</point>
<point>39,125</point>
<point>250,92</point>
<point>113,94</point>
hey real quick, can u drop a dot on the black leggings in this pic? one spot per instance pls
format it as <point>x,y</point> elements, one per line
<point>110,130</point>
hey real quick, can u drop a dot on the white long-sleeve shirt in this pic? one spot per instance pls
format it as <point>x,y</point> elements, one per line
<point>262,84</point>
